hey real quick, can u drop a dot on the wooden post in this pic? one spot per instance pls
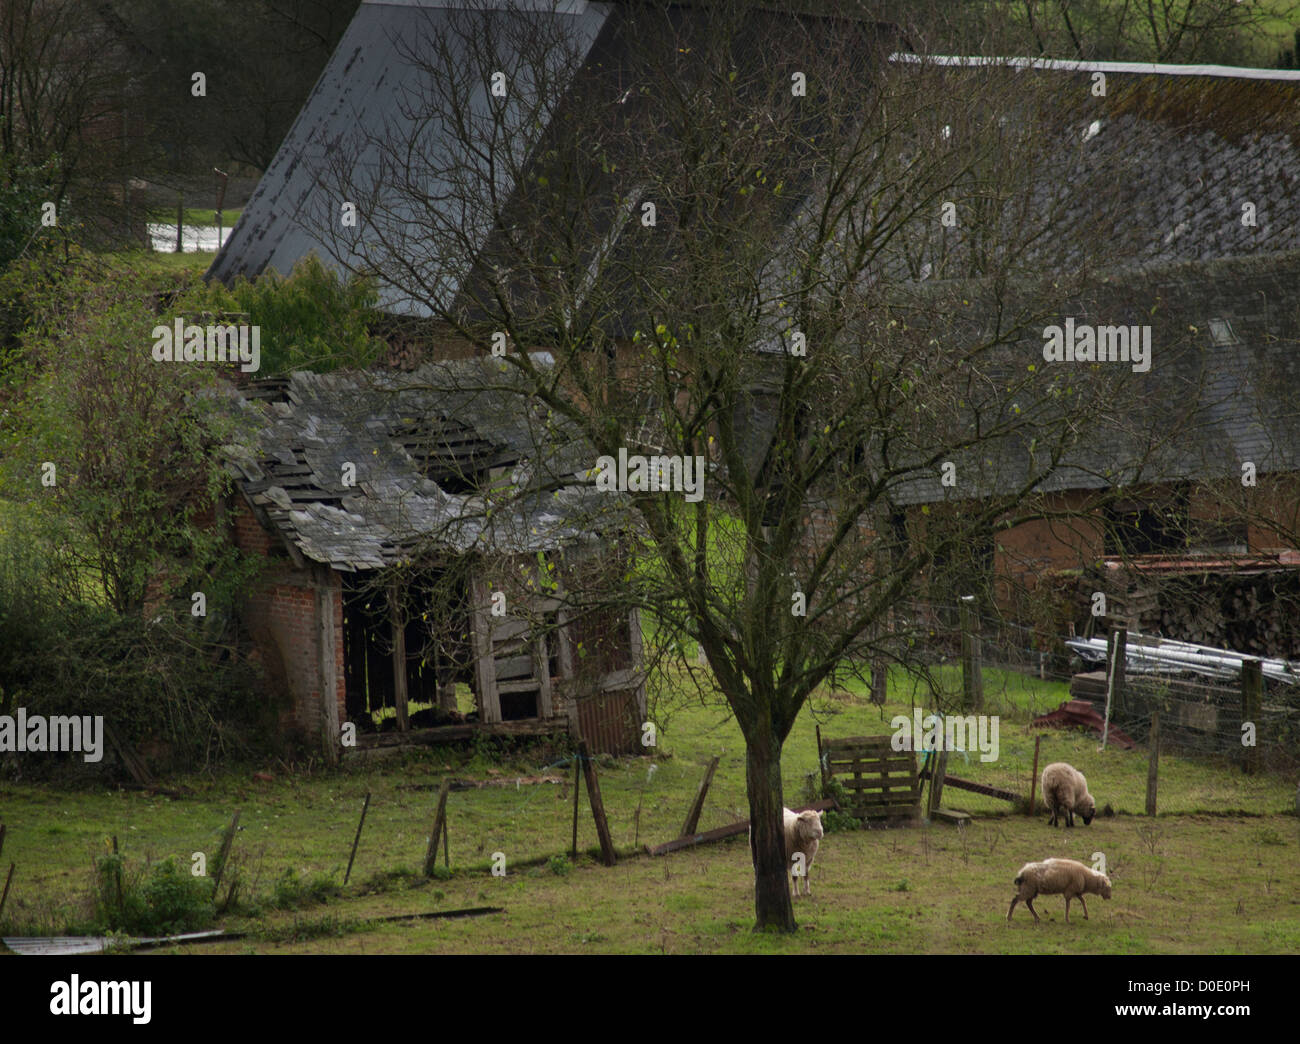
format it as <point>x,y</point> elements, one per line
<point>821,761</point>
<point>697,806</point>
<point>439,826</point>
<point>223,855</point>
<point>399,658</point>
<point>356,840</point>
<point>972,681</point>
<point>607,855</point>
<point>1153,761</point>
<point>5,894</point>
<point>117,878</point>
<point>938,769</point>
<point>577,790</point>
<point>1033,778</point>
<point>1114,675</point>
<point>1252,692</point>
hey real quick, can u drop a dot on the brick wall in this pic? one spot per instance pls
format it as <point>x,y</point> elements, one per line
<point>280,613</point>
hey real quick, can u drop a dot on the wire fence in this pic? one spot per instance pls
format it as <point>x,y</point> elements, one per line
<point>1026,673</point>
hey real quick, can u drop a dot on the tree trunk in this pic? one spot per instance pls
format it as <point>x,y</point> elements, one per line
<point>772,905</point>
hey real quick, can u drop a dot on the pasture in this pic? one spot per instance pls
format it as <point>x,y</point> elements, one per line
<point>1217,871</point>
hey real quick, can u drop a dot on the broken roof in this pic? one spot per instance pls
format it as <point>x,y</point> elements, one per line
<point>358,470</point>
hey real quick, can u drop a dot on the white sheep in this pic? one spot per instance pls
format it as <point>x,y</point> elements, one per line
<point>803,834</point>
<point>1066,877</point>
<point>1066,790</point>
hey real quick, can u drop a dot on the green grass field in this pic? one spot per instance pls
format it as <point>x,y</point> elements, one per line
<point>1217,871</point>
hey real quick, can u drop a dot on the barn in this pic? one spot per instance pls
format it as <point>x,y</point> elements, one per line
<point>425,538</point>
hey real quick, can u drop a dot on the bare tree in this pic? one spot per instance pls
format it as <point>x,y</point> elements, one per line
<point>767,246</point>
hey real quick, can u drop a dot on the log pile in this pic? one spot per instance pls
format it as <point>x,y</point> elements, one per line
<point>1255,613</point>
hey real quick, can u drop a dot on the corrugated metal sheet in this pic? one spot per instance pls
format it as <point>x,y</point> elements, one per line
<point>367,85</point>
<point>65,945</point>
<point>610,722</point>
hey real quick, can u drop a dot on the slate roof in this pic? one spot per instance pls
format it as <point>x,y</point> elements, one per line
<point>1171,153</point>
<point>1223,387</point>
<point>450,420</point>
<point>369,83</point>
<point>365,85</point>
<point>1158,168</point>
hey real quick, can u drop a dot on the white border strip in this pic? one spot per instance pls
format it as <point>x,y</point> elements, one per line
<point>1148,68</point>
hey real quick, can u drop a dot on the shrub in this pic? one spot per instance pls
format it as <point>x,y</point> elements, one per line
<point>292,892</point>
<point>312,320</point>
<point>167,901</point>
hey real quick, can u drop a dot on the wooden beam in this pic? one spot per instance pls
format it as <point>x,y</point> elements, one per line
<point>439,827</point>
<point>398,634</point>
<point>697,806</point>
<point>357,840</point>
<point>730,830</point>
<point>489,705</point>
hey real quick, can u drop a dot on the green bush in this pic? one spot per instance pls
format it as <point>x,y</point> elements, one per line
<point>560,865</point>
<point>312,320</point>
<point>292,892</point>
<point>167,901</point>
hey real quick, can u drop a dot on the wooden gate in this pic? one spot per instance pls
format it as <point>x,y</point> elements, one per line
<point>879,782</point>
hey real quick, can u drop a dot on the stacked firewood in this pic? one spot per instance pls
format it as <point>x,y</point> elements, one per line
<point>1255,613</point>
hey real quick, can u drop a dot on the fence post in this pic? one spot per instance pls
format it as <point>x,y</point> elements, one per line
<point>1033,779</point>
<point>697,806</point>
<point>972,682</point>
<point>607,855</point>
<point>1153,761</point>
<point>1114,676</point>
<point>439,827</point>
<point>1252,691</point>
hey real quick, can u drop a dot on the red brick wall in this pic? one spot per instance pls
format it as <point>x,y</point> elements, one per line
<point>280,614</point>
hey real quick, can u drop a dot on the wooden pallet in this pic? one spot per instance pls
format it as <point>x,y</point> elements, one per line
<point>879,782</point>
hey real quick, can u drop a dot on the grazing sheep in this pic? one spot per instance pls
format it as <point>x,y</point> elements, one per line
<point>1066,790</point>
<point>803,833</point>
<point>1066,877</point>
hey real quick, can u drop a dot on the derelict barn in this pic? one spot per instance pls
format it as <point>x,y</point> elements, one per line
<point>417,532</point>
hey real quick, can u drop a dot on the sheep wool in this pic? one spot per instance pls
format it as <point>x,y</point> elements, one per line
<point>1066,877</point>
<point>803,833</point>
<point>1065,790</point>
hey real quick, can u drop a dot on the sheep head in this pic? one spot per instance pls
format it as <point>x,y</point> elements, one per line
<point>1087,809</point>
<point>810,826</point>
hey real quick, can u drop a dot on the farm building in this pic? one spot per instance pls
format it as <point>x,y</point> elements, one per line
<point>1185,173</point>
<point>417,531</point>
